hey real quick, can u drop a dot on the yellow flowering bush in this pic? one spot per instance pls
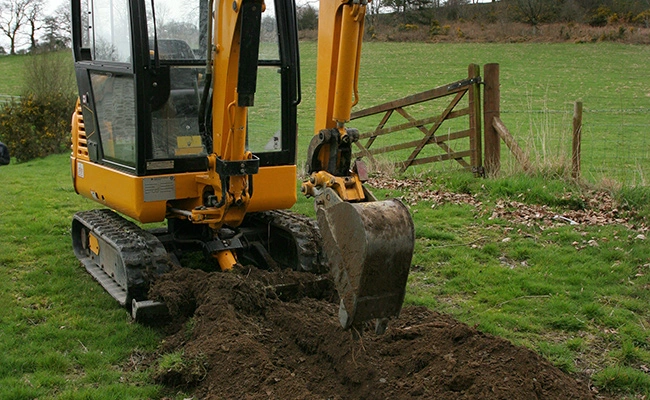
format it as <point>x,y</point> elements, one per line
<point>34,126</point>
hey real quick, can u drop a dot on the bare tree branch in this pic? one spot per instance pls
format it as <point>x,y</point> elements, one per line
<point>34,18</point>
<point>13,15</point>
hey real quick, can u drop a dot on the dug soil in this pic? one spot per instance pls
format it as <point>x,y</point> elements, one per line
<point>256,334</point>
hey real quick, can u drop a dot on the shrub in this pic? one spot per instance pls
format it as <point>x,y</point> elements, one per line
<point>49,74</point>
<point>407,27</point>
<point>35,127</point>
<point>38,123</point>
<point>643,18</point>
<point>434,28</point>
<point>600,16</point>
<point>612,19</point>
<point>613,36</point>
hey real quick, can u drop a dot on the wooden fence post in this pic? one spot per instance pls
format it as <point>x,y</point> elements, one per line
<point>577,137</point>
<point>473,72</point>
<point>491,110</point>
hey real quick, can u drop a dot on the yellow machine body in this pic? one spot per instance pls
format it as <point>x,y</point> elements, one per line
<point>275,189</point>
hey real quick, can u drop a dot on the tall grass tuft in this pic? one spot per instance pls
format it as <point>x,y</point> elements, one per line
<point>546,141</point>
<point>49,75</point>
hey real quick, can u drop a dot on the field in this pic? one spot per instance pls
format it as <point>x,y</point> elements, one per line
<point>539,85</point>
<point>489,252</point>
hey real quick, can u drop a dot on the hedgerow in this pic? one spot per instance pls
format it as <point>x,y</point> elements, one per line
<point>34,126</point>
<point>38,123</point>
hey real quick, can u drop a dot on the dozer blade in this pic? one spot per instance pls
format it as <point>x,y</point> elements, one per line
<point>370,246</point>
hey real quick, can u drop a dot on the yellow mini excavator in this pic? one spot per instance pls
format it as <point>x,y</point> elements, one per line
<point>166,129</point>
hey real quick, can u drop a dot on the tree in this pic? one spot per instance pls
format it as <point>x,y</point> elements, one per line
<point>185,31</point>
<point>412,11</point>
<point>307,17</point>
<point>571,11</point>
<point>57,30</point>
<point>54,38</point>
<point>34,17</point>
<point>454,8</point>
<point>398,6</point>
<point>64,20</point>
<point>13,15</point>
<point>374,8</point>
<point>534,12</point>
<point>269,29</point>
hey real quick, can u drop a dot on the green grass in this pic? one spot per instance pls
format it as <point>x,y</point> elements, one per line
<point>61,336</point>
<point>585,309</point>
<point>12,70</point>
<point>539,84</point>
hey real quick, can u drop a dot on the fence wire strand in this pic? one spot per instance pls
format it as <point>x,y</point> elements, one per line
<point>615,138</point>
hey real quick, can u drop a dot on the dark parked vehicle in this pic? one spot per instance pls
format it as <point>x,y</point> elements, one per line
<point>4,154</point>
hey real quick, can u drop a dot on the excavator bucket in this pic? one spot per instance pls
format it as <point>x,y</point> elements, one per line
<point>369,246</point>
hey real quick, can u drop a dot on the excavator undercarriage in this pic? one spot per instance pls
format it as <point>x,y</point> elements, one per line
<point>126,259</point>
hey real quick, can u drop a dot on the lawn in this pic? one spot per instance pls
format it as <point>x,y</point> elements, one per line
<point>575,293</point>
<point>539,84</point>
<point>61,336</point>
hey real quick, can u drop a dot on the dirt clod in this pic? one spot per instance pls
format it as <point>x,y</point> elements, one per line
<point>259,345</point>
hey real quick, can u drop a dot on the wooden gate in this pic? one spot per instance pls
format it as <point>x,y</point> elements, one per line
<point>468,158</point>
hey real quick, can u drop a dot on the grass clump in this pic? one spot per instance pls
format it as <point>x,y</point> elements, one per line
<point>629,353</point>
<point>635,198</point>
<point>179,369</point>
<point>558,354</point>
<point>623,379</point>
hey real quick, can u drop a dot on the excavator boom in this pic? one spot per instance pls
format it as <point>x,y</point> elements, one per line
<point>369,243</point>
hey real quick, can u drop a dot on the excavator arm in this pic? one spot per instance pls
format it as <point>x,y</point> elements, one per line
<point>369,243</point>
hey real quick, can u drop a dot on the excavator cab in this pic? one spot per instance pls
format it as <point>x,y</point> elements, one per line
<point>146,92</point>
<point>188,114</point>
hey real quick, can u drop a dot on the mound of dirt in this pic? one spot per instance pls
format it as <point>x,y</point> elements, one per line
<point>243,339</point>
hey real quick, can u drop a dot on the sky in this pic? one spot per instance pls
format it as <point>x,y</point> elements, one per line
<point>23,41</point>
<point>52,5</point>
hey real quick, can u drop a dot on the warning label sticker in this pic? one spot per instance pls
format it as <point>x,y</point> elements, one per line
<point>157,189</point>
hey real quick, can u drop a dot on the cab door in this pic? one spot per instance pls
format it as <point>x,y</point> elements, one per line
<point>105,65</point>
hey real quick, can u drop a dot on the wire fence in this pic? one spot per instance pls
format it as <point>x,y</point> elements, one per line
<point>615,145</point>
<point>5,98</point>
